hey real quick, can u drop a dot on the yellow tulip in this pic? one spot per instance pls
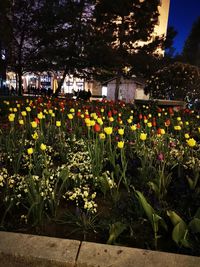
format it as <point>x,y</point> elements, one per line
<point>43,147</point>
<point>21,122</point>
<point>28,109</point>
<point>35,135</point>
<point>100,122</point>
<point>92,122</point>
<point>191,142</point>
<point>134,127</point>
<point>143,136</point>
<point>162,131</point>
<point>121,131</point>
<point>102,136</point>
<point>149,124</point>
<point>111,119</point>
<point>108,130</point>
<point>11,117</point>
<point>24,113</point>
<point>70,116</point>
<point>40,115</point>
<point>120,144</point>
<point>30,151</point>
<point>58,123</point>
<point>177,127</point>
<point>187,136</point>
<point>34,124</point>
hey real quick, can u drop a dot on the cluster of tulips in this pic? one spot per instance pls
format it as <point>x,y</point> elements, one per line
<point>55,150</point>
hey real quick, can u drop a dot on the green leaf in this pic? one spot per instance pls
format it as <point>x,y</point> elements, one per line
<point>115,230</point>
<point>64,174</point>
<point>190,182</point>
<point>149,211</point>
<point>194,225</point>
<point>175,218</point>
<point>154,187</point>
<point>179,234</point>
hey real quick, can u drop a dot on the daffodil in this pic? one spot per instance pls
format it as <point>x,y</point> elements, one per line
<point>21,122</point>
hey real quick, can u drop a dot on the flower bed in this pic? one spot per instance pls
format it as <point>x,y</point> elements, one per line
<point>101,171</point>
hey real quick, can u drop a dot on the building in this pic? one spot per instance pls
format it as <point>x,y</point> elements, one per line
<point>131,89</point>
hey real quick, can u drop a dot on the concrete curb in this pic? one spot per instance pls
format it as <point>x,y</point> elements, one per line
<point>21,250</point>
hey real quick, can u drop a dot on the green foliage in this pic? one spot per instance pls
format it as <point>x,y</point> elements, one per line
<point>191,49</point>
<point>115,231</point>
<point>152,216</point>
<point>175,81</point>
<point>180,231</point>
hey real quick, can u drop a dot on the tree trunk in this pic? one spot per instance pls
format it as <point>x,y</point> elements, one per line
<point>118,79</point>
<point>61,82</point>
<point>19,74</point>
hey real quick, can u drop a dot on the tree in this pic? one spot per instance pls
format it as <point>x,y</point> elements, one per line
<point>64,29</point>
<point>16,28</point>
<point>175,81</point>
<point>191,49</point>
<point>121,26</point>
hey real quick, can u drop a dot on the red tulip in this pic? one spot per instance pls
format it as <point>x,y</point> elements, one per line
<point>97,127</point>
<point>140,116</point>
<point>109,114</point>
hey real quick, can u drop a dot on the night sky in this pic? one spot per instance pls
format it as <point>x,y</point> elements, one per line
<point>182,15</point>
